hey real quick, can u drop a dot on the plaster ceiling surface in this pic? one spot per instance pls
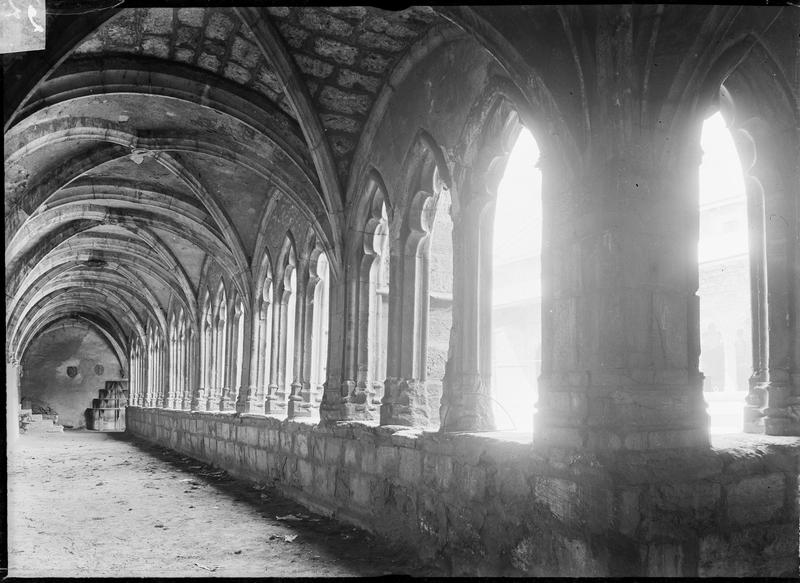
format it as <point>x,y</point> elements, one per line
<point>241,193</point>
<point>191,256</point>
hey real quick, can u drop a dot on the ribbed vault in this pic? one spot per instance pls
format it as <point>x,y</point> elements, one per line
<point>149,144</point>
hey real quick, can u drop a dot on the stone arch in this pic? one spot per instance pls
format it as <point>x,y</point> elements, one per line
<point>138,302</point>
<point>111,335</point>
<point>490,131</point>
<point>410,397</point>
<point>368,250</point>
<point>285,264</point>
<point>315,327</point>
<point>750,88</point>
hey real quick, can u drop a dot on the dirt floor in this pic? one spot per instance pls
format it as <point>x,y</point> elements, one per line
<point>84,504</point>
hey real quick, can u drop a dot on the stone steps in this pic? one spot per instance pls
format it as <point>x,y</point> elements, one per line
<point>108,410</point>
<point>33,425</point>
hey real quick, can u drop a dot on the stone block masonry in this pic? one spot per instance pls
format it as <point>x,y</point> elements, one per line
<point>482,506</point>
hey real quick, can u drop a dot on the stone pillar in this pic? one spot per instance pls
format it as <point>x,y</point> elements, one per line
<point>297,407</point>
<point>619,275</point>
<point>198,399</point>
<point>306,400</point>
<point>252,397</point>
<point>753,420</point>
<point>162,369</point>
<point>141,373</point>
<point>13,376</point>
<point>271,404</point>
<point>226,396</point>
<point>213,390</point>
<point>404,399</point>
<point>466,402</point>
<point>187,369</point>
<point>339,397</point>
<point>777,166</point>
<point>149,384</point>
<point>171,378</point>
<point>769,155</point>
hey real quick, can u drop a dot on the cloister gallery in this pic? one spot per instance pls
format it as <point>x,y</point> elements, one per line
<point>448,274</point>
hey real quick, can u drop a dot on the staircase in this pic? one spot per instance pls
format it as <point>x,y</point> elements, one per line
<point>108,410</point>
<point>30,422</point>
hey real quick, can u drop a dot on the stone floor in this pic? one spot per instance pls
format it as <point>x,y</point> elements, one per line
<point>103,504</point>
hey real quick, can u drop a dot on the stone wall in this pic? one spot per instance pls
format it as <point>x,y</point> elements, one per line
<point>45,371</point>
<point>483,505</point>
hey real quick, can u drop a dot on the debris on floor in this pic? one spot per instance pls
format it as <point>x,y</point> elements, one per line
<point>160,505</point>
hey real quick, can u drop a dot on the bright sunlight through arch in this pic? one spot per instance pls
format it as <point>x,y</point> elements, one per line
<point>517,288</point>
<point>724,290</point>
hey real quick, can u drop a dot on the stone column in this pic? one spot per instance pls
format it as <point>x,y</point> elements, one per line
<point>141,373</point>
<point>252,398</point>
<point>306,400</point>
<point>203,367</point>
<point>226,402</point>
<point>271,404</point>
<point>196,380</point>
<point>466,402</point>
<point>149,385</point>
<point>171,384</point>
<point>337,402</point>
<point>161,380</point>
<point>132,358</point>
<point>404,399</point>
<point>619,273</point>
<point>296,405</point>
<point>13,376</point>
<point>185,367</point>
<point>212,366</point>
<point>778,168</point>
<point>753,421</point>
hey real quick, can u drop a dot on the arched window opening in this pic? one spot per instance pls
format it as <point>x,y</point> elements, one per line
<point>440,298</point>
<point>319,330</point>
<point>724,279</point>
<point>291,309</point>
<point>517,288</point>
<point>378,332</point>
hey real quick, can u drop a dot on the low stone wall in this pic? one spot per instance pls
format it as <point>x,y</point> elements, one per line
<point>485,506</point>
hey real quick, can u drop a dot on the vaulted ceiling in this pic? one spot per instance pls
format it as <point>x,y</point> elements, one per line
<point>146,143</point>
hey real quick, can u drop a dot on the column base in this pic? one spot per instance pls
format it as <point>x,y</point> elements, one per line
<point>198,400</point>
<point>467,406</point>
<point>605,414</point>
<point>298,409</point>
<point>405,402</point>
<point>753,420</point>
<point>784,426</point>
<point>225,402</point>
<point>781,416</point>
<point>348,403</point>
<point>252,403</point>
